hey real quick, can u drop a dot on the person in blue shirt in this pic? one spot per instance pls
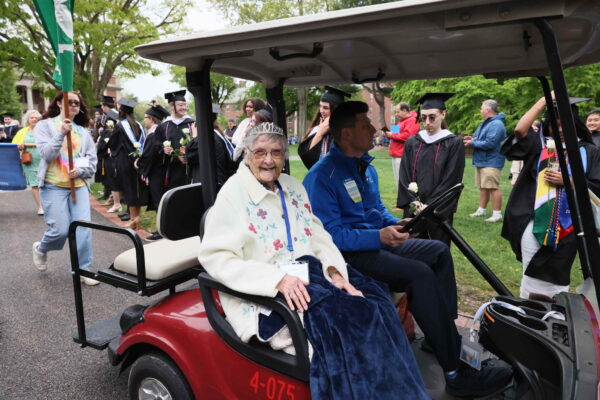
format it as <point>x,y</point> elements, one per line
<point>486,143</point>
<point>344,192</point>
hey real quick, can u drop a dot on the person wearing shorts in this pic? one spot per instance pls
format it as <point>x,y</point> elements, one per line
<point>486,143</point>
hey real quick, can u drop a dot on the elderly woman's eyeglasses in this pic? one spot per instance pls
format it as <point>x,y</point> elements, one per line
<point>431,117</point>
<point>275,154</point>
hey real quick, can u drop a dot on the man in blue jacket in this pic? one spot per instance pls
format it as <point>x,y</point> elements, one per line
<point>344,193</point>
<point>486,143</point>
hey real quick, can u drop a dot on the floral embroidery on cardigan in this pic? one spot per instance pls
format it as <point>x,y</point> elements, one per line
<point>251,227</point>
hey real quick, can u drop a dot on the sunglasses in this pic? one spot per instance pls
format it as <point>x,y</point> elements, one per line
<point>430,117</point>
<point>74,103</point>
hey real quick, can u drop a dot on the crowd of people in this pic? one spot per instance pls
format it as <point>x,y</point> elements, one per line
<point>270,235</point>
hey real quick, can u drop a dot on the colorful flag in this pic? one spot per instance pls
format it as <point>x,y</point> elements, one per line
<point>57,18</point>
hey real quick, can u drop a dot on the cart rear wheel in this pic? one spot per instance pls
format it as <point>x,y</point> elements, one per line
<point>156,377</point>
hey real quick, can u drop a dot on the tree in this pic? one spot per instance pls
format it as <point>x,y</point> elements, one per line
<point>221,86</point>
<point>9,98</point>
<point>515,96</point>
<point>106,34</point>
<point>380,91</point>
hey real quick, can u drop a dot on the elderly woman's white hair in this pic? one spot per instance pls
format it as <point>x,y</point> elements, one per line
<point>272,132</point>
<point>28,114</point>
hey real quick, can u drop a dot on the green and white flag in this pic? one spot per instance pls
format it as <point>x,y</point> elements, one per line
<point>57,18</point>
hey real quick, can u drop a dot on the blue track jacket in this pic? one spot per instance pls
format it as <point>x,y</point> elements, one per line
<point>487,141</point>
<point>348,205</point>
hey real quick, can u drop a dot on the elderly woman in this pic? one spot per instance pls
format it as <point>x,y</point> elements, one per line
<point>25,139</point>
<point>54,176</point>
<point>260,223</point>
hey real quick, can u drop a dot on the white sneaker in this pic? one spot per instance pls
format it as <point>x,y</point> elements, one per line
<point>39,258</point>
<point>477,214</point>
<point>88,281</point>
<point>494,218</point>
<point>40,211</point>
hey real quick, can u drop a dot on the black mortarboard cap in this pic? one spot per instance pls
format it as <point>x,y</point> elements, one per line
<point>107,99</point>
<point>127,105</point>
<point>216,109</point>
<point>8,114</point>
<point>334,96</point>
<point>175,96</point>
<point>434,100</point>
<point>158,112</point>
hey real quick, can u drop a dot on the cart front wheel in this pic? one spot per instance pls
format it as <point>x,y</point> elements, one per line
<point>155,377</point>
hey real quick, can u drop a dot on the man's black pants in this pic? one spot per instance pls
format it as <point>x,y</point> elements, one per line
<point>424,270</point>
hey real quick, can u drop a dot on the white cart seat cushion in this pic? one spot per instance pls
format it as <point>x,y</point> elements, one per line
<point>163,258</point>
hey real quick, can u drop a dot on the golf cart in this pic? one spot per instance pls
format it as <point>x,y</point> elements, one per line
<point>181,346</point>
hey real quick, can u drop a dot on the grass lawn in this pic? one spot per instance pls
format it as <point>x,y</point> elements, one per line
<point>482,236</point>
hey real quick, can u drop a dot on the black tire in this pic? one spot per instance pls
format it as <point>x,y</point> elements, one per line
<point>156,369</point>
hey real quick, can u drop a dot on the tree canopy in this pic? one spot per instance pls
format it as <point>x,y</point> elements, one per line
<point>514,96</point>
<point>106,34</point>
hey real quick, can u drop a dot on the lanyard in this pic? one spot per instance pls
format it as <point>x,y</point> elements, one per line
<point>290,246</point>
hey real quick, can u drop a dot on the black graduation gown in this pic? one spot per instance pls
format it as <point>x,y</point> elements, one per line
<point>163,171</point>
<point>135,191</point>
<point>596,137</point>
<point>547,264</point>
<point>439,166</point>
<point>225,164</point>
<point>11,131</point>
<point>311,156</point>
<point>102,153</point>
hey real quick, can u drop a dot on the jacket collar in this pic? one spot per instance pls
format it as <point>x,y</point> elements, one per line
<point>252,186</point>
<point>350,161</point>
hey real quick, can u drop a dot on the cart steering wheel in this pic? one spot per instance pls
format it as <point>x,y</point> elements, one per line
<point>437,207</point>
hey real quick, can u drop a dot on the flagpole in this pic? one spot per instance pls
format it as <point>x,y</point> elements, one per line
<point>69,146</point>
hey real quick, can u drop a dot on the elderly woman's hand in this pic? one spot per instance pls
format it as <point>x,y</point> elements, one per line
<point>339,282</point>
<point>294,291</point>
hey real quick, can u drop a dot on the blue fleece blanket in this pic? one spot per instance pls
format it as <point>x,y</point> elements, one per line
<point>360,349</point>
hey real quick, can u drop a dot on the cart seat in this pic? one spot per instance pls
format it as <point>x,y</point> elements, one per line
<point>177,220</point>
<point>163,258</point>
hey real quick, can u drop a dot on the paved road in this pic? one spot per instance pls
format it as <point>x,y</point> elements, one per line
<point>38,358</point>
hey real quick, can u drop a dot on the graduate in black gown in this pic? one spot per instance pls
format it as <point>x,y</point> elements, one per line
<point>105,173</point>
<point>163,161</point>
<point>224,151</point>
<point>434,160</point>
<point>126,145</point>
<point>318,140</point>
<point>540,230</point>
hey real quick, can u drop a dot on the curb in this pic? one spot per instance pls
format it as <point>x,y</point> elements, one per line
<point>112,217</point>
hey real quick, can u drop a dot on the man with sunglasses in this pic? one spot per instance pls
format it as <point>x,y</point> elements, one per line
<point>434,161</point>
<point>343,190</point>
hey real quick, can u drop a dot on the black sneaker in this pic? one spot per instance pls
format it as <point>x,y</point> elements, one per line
<point>154,236</point>
<point>493,376</point>
<point>124,217</point>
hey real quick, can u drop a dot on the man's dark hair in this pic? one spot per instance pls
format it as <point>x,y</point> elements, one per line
<point>344,116</point>
<point>404,106</point>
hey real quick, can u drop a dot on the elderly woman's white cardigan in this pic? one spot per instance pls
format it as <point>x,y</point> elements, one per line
<point>245,239</point>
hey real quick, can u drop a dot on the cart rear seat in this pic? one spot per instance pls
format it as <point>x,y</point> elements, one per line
<point>150,268</point>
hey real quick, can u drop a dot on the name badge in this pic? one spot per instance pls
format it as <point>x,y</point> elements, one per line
<point>296,268</point>
<point>352,190</point>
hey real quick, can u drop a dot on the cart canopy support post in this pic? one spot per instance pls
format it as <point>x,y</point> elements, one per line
<point>198,83</point>
<point>584,226</point>
<point>276,101</point>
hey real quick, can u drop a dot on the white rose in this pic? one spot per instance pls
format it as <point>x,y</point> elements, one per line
<point>110,124</point>
<point>550,145</point>
<point>186,131</point>
<point>106,140</point>
<point>167,143</point>
<point>413,187</point>
<point>136,145</point>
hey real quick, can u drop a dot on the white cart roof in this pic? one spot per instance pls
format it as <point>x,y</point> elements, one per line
<point>405,40</point>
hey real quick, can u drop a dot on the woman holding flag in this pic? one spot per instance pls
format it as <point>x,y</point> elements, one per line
<point>126,145</point>
<point>55,178</point>
<point>537,220</point>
